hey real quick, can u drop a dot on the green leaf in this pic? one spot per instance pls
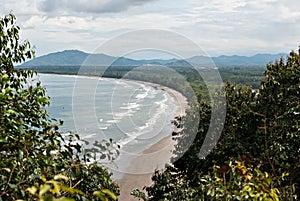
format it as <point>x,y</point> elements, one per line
<point>3,140</point>
<point>32,190</point>
<point>72,191</point>
<point>56,187</point>
<point>64,199</point>
<point>61,176</point>
<point>109,193</point>
<point>100,195</point>
<point>44,188</point>
<point>5,77</point>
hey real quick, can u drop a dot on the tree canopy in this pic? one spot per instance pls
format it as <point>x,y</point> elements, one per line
<point>257,156</point>
<point>37,161</point>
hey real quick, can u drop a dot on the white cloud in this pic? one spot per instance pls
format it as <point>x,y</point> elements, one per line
<point>219,27</point>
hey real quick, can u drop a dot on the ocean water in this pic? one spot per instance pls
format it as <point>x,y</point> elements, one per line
<point>134,115</point>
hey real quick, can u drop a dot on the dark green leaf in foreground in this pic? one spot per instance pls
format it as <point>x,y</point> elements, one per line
<point>32,150</point>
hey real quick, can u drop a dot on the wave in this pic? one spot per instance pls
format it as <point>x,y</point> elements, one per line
<point>148,129</point>
<point>89,136</point>
<point>112,121</point>
<point>129,106</point>
<point>103,128</point>
<point>126,140</point>
<point>142,105</point>
<point>121,115</point>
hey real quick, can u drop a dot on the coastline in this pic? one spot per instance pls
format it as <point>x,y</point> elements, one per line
<point>157,155</point>
<point>141,168</point>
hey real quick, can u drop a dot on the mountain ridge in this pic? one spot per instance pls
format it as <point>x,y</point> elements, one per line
<point>78,58</point>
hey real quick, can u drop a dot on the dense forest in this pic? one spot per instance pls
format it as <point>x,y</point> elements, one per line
<point>257,155</point>
<point>256,158</point>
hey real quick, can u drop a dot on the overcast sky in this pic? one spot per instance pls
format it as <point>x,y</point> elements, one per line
<point>243,27</point>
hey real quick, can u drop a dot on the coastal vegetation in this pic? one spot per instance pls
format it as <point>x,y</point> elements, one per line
<point>256,157</point>
<point>37,161</point>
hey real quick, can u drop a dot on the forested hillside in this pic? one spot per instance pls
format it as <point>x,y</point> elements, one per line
<point>257,155</point>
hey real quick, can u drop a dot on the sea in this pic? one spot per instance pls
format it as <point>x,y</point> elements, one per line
<point>133,114</point>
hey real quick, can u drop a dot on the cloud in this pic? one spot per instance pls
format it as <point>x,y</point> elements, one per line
<point>89,6</point>
<point>50,5</point>
<point>218,26</point>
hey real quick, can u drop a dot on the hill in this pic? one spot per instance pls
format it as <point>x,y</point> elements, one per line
<point>77,58</point>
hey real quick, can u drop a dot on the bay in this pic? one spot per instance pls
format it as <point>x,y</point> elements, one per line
<point>133,114</point>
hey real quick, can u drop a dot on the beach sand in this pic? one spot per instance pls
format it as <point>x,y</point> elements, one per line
<point>152,158</point>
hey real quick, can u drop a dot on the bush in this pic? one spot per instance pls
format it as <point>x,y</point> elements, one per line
<point>31,146</point>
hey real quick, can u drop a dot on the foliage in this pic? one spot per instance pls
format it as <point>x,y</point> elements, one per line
<point>235,181</point>
<point>249,75</point>
<point>31,144</point>
<point>139,194</point>
<point>55,189</point>
<point>261,128</point>
<point>49,190</point>
<point>279,111</point>
<point>238,182</point>
<point>12,51</point>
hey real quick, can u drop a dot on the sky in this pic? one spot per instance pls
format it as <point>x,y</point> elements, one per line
<point>218,27</point>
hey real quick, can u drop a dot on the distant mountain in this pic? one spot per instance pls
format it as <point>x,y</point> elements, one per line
<point>200,60</point>
<point>77,58</point>
<point>180,63</point>
<point>236,60</point>
<point>67,57</point>
<point>158,61</point>
<point>256,60</point>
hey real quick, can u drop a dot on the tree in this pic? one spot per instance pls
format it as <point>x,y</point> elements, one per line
<point>32,149</point>
<point>261,128</point>
<point>234,181</point>
<point>278,108</point>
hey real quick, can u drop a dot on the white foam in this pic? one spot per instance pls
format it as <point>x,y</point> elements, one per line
<point>141,96</point>
<point>123,84</point>
<point>145,92</point>
<point>118,118</point>
<point>129,106</point>
<point>124,141</point>
<point>112,121</point>
<point>150,126</point>
<point>162,101</point>
<point>121,115</point>
<point>89,136</point>
<point>103,128</point>
<point>141,128</point>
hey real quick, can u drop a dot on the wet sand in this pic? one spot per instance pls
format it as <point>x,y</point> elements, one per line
<point>155,157</point>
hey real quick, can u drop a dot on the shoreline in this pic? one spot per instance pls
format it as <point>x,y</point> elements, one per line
<point>157,154</point>
<point>154,157</point>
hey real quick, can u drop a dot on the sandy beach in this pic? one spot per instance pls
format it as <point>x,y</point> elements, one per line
<point>152,158</point>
